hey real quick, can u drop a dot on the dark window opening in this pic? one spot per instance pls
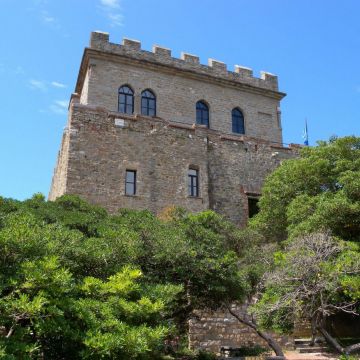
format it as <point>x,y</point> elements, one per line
<point>126,100</point>
<point>130,182</point>
<point>148,103</point>
<point>253,206</point>
<point>193,182</point>
<point>237,117</point>
<point>202,113</point>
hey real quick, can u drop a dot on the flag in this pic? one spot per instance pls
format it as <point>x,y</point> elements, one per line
<point>305,134</point>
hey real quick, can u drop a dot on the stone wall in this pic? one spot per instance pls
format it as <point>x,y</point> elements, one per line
<point>178,84</point>
<point>59,179</point>
<point>96,152</point>
<point>213,330</point>
<point>100,147</point>
<point>237,169</point>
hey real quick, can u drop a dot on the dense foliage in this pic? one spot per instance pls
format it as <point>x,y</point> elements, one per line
<point>311,208</point>
<point>315,276</point>
<point>76,282</point>
<point>318,191</point>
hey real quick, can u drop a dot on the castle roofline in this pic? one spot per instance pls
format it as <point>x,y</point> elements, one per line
<point>188,65</point>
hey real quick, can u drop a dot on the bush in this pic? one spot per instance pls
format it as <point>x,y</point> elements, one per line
<point>205,355</point>
<point>255,350</point>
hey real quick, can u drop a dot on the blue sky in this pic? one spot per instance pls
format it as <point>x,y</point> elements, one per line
<point>312,45</point>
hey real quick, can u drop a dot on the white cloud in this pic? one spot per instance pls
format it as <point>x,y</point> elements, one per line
<point>46,17</point>
<point>62,103</point>
<point>112,10</point>
<point>49,20</point>
<point>114,4</point>
<point>58,84</point>
<point>40,84</point>
<point>57,110</point>
<point>37,85</point>
<point>116,19</point>
<point>59,107</point>
<point>40,2</point>
<point>19,70</point>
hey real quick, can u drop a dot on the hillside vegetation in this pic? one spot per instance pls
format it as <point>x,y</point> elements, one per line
<point>78,283</point>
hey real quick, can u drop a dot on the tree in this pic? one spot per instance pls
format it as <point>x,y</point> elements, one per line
<point>256,261</point>
<point>318,191</point>
<point>55,305</point>
<point>311,208</point>
<point>316,276</point>
<point>63,265</point>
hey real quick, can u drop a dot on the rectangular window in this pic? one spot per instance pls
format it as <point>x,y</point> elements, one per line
<point>130,182</point>
<point>193,182</point>
<point>253,206</point>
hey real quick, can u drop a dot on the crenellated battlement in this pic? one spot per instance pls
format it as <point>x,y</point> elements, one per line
<point>188,62</point>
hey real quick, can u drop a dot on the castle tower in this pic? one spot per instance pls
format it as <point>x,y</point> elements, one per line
<point>147,131</point>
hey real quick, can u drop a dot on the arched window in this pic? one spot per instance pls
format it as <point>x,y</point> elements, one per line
<point>126,100</point>
<point>237,121</point>
<point>202,113</point>
<point>148,103</point>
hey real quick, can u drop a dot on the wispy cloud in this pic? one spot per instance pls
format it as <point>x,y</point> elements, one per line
<point>40,84</point>
<point>19,70</point>
<point>113,11</point>
<point>37,85</point>
<point>62,103</point>
<point>59,107</point>
<point>40,2</point>
<point>39,8</point>
<point>114,4</point>
<point>58,85</point>
<point>116,19</point>
<point>48,19</point>
<point>11,70</point>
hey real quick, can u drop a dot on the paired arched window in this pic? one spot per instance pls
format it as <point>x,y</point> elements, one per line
<point>202,113</point>
<point>148,103</point>
<point>126,100</point>
<point>238,125</point>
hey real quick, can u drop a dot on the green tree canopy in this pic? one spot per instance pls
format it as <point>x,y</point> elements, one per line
<point>76,280</point>
<point>318,191</point>
<point>311,208</point>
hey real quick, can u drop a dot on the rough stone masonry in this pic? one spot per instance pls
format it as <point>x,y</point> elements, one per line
<point>100,144</point>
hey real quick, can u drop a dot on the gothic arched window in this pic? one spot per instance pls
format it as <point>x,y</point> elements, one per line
<point>126,100</point>
<point>148,103</point>
<point>238,125</point>
<point>202,113</point>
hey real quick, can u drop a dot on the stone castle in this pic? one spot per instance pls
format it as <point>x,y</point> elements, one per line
<point>148,131</point>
